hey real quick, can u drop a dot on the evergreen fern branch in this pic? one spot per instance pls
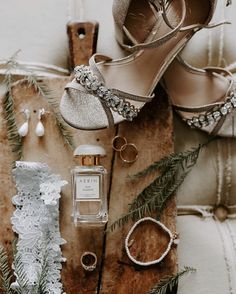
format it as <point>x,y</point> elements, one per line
<point>20,273</point>
<point>162,201</point>
<point>45,92</point>
<point>41,286</point>
<point>14,138</point>
<point>167,284</point>
<point>153,198</point>
<point>186,159</point>
<point>155,188</point>
<point>156,204</point>
<point>5,272</point>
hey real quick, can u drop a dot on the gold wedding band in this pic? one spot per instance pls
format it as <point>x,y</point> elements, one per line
<point>118,142</point>
<point>88,261</point>
<point>129,153</point>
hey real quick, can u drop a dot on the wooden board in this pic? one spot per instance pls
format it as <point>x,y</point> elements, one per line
<point>151,132</point>
<point>82,41</point>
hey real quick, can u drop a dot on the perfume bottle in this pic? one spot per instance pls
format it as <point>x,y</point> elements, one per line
<point>89,186</point>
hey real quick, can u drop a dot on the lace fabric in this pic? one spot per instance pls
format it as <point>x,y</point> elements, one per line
<point>36,221</point>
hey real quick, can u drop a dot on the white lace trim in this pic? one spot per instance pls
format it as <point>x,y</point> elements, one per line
<point>36,221</point>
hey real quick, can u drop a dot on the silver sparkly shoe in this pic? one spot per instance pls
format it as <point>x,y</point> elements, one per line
<point>207,99</point>
<point>107,91</point>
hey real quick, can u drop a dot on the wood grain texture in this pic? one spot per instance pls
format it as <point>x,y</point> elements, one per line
<point>52,149</point>
<point>152,133</point>
<point>82,41</point>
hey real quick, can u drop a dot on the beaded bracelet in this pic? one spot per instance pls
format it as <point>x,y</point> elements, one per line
<point>173,240</point>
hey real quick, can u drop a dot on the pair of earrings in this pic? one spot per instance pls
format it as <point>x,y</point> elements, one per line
<point>39,130</point>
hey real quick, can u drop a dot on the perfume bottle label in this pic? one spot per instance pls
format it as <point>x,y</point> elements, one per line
<point>87,187</point>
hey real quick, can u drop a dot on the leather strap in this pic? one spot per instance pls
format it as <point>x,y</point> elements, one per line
<point>103,58</point>
<point>203,26</point>
<point>208,107</point>
<point>198,109</point>
<point>158,42</point>
<point>218,126</point>
<point>93,65</point>
<point>94,60</point>
<point>162,6</point>
<point>129,96</point>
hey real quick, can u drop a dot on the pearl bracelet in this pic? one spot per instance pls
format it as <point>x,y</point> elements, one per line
<point>173,240</point>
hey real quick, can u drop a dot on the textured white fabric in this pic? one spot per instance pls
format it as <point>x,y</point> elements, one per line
<point>208,246</point>
<point>36,221</point>
<point>214,46</point>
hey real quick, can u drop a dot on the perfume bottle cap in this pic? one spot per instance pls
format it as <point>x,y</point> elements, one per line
<point>91,150</point>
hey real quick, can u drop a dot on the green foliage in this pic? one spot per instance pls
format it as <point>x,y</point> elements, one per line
<point>20,274</point>
<point>9,115</point>
<point>186,159</point>
<point>170,283</point>
<point>5,272</point>
<point>6,275</point>
<point>173,170</point>
<point>42,275</point>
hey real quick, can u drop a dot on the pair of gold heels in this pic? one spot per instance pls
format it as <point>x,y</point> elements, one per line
<point>108,91</point>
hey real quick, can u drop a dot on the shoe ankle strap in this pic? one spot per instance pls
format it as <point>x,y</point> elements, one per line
<point>203,26</point>
<point>157,42</point>
<point>161,6</point>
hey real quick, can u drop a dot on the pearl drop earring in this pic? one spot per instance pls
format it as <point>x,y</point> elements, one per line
<point>39,130</point>
<point>24,129</point>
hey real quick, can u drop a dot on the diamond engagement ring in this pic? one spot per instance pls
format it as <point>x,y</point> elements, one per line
<point>88,261</point>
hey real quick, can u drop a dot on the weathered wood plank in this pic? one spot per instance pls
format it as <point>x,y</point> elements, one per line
<point>52,149</point>
<point>82,41</point>
<point>152,134</point>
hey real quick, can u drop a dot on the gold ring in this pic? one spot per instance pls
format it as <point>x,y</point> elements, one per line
<point>118,142</point>
<point>129,153</point>
<point>88,261</point>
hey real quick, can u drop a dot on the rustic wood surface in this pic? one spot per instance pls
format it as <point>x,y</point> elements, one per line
<point>152,134</point>
<point>82,41</point>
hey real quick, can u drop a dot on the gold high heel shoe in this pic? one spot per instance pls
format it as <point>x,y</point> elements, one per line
<point>110,91</point>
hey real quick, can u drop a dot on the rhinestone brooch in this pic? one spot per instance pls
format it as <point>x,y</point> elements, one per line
<point>214,115</point>
<point>85,77</point>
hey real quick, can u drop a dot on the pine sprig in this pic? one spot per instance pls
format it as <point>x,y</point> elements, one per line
<point>14,138</point>
<point>184,159</point>
<point>5,272</point>
<point>20,273</point>
<point>41,286</point>
<point>173,170</point>
<point>155,203</point>
<point>45,92</point>
<point>169,283</point>
<point>158,187</point>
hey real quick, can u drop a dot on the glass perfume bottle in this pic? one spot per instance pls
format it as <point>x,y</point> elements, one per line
<point>89,186</point>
